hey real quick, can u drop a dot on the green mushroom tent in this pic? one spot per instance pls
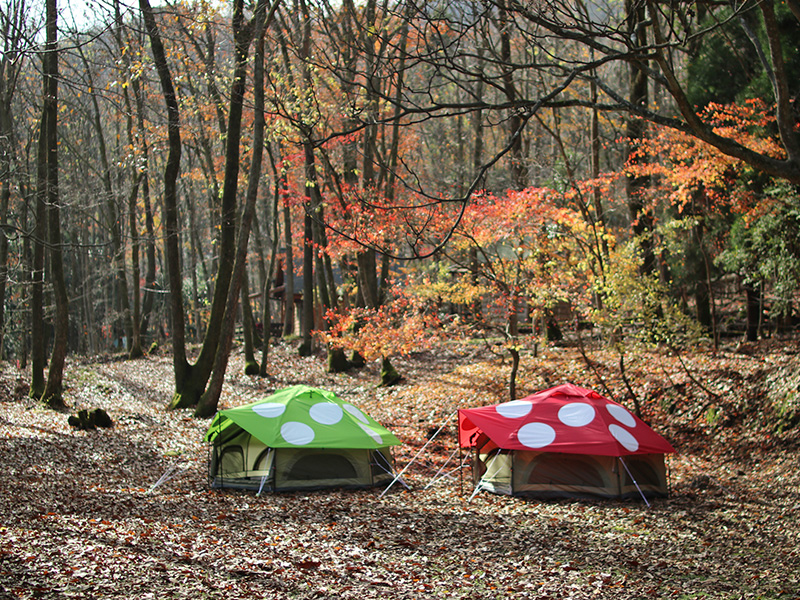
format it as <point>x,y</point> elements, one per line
<point>298,438</point>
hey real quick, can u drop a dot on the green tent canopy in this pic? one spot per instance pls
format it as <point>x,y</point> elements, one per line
<point>298,438</point>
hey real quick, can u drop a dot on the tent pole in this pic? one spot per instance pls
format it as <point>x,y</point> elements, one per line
<point>264,477</point>
<point>460,473</point>
<point>433,437</point>
<point>478,486</point>
<point>624,464</point>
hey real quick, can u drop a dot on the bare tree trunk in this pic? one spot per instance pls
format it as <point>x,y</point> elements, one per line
<point>148,296</point>
<point>181,366</point>
<point>38,324</point>
<point>12,24</point>
<point>53,391</point>
<point>519,171</point>
<point>134,321</point>
<point>636,130</point>
<point>207,405</point>
<point>288,288</point>
<point>248,326</point>
<point>270,269</point>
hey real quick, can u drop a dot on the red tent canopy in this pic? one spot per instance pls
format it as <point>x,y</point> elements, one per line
<point>567,419</point>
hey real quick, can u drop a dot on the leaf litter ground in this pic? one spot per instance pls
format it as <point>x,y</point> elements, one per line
<point>80,517</point>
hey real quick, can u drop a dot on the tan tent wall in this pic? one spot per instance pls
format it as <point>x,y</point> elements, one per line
<point>312,468</point>
<point>242,461</point>
<point>558,475</point>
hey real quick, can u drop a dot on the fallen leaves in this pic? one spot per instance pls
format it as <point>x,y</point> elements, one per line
<point>81,517</point>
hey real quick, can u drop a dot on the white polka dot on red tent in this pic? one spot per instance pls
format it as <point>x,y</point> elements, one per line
<point>536,435</point>
<point>621,414</point>
<point>326,413</point>
<point>516,409</point>
<point>296,433</point>
<point>269,410</point>
<point>624,437</point>
<point>576,414</point>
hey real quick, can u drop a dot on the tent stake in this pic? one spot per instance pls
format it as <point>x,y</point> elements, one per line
<point>170,473</point>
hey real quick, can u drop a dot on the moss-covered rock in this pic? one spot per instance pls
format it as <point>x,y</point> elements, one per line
<point>389,375</point>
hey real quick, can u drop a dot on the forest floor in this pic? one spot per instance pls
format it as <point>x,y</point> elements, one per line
<point>81,516</point>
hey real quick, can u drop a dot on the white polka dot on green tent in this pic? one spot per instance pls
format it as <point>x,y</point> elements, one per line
<point>576,414</point>
<point>270,410</point>
<point>624,437</point>
<point>536,435</point>
<point>356,413</point>
<point>621,414</point>
<point>296,433</point>
<point>371,433</point>
<point>515,409</point>
<point>326,413</point>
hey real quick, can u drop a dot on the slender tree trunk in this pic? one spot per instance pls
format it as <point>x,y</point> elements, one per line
<point>753,295</point>
<point>134,320</point>
<point>248,327</point>
<point>207,405</point>
<point>518,168</point>
<point>85,276</point>
<point>5,197</point>
<point>181,366</point>
<point>148,295</point>
<point>53,391</point>
<point>37,314</point>
<point>268,275</point>
<point>190,390</point>
<point>11,64</point>
<point>288,288</point>
<point>307,321</point>
<point>636,130</point>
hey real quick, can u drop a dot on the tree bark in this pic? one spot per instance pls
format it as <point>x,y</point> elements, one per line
<point>207,405</point>
<point>636,131</point>
<point>53,391</point>
<point>181,366</point>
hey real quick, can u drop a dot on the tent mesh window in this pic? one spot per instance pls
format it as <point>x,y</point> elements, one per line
<point>560,475</point>
<point>319,468</point>
<point>563,469</point>
<point>231,462</point>
<point>322,466</point>
<point>650,474</point>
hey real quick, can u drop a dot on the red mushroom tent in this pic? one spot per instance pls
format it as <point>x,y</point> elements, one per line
<point>564,442</point>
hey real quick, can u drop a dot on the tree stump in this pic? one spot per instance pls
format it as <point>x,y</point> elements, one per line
<point>90,419</point>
